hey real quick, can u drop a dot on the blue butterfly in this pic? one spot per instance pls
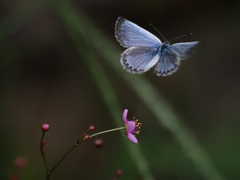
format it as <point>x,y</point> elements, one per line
<point>145,50</point>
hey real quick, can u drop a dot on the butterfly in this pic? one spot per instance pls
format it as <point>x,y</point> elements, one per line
<point>145,50</point>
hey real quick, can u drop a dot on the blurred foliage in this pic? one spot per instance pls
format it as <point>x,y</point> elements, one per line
<point>43,79</point>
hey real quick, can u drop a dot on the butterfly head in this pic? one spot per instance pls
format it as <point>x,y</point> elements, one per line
<point>165,45</point>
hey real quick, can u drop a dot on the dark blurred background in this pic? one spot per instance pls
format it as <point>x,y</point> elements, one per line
<point>44,80</point>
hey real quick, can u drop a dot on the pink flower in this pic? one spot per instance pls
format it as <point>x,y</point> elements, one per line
<point>131,127</point>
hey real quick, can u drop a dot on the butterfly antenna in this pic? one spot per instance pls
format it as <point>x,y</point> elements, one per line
<point>181,36</point>
<point>158,31</point>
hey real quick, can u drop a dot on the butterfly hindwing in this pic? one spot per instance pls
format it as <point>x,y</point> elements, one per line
<point>139,59</point>
<point>129,34</point>
<point>168,64</point>
<point>171,56</point>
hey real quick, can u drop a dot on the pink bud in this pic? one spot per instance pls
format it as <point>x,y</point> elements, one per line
<point>45,127</point>
<point>86,137</point>
<point>119,172</point>
<point>98,142</point>
<point>91,128</point>
<point>20,162</point>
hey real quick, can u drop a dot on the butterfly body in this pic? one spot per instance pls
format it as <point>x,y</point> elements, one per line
<point>146,51</point>
<point>164,47</point>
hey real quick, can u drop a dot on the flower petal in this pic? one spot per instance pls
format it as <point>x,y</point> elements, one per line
<point>132,138</point>
<point>125,115</point>
<point>130,126</point>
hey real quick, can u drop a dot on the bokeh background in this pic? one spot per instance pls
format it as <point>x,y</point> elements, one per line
<point>52,72</point>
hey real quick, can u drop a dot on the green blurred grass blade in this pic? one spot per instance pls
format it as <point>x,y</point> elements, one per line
<point>104,86</point>
<point>151,96</point>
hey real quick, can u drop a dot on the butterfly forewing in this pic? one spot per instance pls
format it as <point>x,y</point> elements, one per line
<point>139,59</point>
<point>184,50</point>
<point>129,34</point>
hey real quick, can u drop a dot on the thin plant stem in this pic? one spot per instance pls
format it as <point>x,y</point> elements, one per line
<point>59,162</point>
<point>80,140</point>
<point>44,159</point>
<point>107,131</point>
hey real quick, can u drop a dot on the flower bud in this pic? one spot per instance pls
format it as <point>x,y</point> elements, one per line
<point>20,162</point>
<point>86,137</point>
<point>98,143</point>
<point>119,172</point>
<point>91,128</point>
<point>45,127</point>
